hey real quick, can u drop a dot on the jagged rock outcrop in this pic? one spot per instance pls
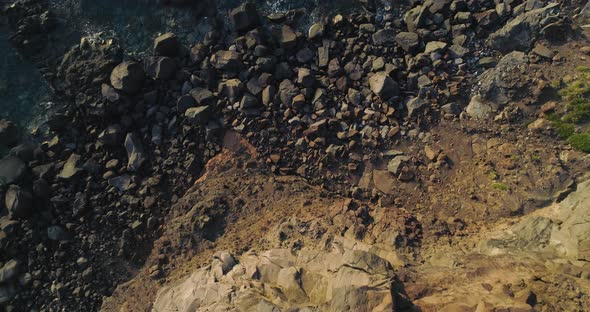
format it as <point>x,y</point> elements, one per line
<point>343,279</point>
<point>522,32</point>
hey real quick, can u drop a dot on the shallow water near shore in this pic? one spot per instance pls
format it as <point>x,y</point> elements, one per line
<point>23,91</point>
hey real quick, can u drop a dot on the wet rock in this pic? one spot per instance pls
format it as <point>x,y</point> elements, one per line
<point>166,45</point>
<point>315,31</point>
<point>245,17</point>
<point>135,153</point>
<point>198,115</point>
<point>8,133</point>
<point>383,85</point>
<point>71,168</point>
<point>408,41</point>
<point>230,61</point>
<point>128,77</point>
<point>18,202</point>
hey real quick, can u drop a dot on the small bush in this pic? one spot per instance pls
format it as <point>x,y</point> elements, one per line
<point>580,141</point>
<point>500,186</point>
<point>578,111</point>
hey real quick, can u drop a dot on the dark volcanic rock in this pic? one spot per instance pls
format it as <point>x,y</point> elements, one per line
<point>166,45</point>
<point>12,170</point>
<point>163,68</point>
<point>227,61</point>
<point>382,85</point>
<point>288,38</point>
<point>112,135</point>
<point>8,133</point>
<point>384,37</point>
<point>245,17</point>
<point>128,77</point>
<point>409,41</point>
<point>18,202</point>
<point>198,115</point>
<point>521,33</point>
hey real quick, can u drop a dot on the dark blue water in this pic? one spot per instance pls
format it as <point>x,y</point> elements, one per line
<point>24,94</point>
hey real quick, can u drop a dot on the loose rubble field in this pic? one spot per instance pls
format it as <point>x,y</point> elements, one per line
<point>428,155</point>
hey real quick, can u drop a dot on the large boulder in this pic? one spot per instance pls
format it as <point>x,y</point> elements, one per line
<point>521,33</point>
<point>245,17</point>
<point>8,133</point>
<point>12,170</point>
<point>500,85</point>
<point>383,85</point>
<point>166,45</point>
<point>128,77</point>
<point>18,202</point>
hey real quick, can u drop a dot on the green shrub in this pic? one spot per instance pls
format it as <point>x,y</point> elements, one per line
<point>578,111</point>
<point>580,141</point>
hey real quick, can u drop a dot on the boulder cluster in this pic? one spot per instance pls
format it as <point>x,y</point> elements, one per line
<point>318,103</point>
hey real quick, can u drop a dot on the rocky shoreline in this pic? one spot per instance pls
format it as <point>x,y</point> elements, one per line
<point>81,209</point>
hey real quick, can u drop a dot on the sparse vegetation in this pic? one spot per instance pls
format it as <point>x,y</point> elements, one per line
<point>580,141</point>
<point>500,186</point>
<point>577,112</point>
